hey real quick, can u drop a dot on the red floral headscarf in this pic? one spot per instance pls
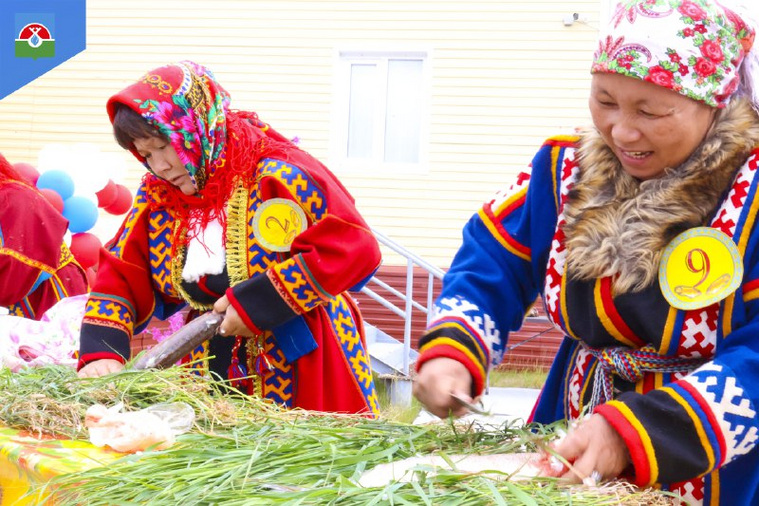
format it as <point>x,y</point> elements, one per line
<point>186,104</point>
<point>694,47</point>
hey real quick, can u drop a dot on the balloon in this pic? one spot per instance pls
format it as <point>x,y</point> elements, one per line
<point>92,275</point>
<point>123,202</point>
<point>57,180</point>
<point>53,197</point>
<point>53,157</point>
<point>27,171</point>
<point>89,169</point>
<point>116,164</point>
<point>81,212</point>
<point>86,249</point>
<point>107,195</point>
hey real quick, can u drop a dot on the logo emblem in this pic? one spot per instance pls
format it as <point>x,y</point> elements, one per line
<point>277,222</point>
<point>35,40</point>
<point>699,267</point>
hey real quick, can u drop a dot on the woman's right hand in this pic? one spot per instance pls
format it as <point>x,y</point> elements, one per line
<point>437,380</point>
<point>99,368</point>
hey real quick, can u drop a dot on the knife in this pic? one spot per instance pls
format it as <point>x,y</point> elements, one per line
<point>478,410</point>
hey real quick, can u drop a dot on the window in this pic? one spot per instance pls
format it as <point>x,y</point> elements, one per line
<point>381,108</point>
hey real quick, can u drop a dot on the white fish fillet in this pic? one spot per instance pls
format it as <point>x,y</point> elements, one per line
<point>497,466</point>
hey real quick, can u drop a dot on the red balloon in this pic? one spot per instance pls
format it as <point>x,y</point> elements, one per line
<point>123,202</point>
<point>92,275</point>
<point>86,249</point>
<point>107,195</point>
<point>53,197</point>
<point>27,171</point>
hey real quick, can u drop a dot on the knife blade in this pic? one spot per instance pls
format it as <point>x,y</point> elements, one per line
<point>478,410</point>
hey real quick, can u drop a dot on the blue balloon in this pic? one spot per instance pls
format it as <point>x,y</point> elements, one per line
<point>81,212</point>
<point>58,181</point>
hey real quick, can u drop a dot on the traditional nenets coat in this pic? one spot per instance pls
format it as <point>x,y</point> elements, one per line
<point>37,267</point>
<point>681,386</point>
<point>293,240</point>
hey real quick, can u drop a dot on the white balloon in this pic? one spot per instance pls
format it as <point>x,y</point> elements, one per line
<point>67,238</point>
<point>52,157</point>
<point>115,165</point>
<point>90,173</point>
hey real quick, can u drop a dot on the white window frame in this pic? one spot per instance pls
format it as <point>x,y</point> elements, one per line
<point>344,58</point>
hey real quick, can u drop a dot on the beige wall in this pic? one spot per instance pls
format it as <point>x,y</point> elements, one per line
<point>505,74</point>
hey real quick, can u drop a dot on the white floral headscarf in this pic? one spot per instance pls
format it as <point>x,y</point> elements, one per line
<point>694,47</point>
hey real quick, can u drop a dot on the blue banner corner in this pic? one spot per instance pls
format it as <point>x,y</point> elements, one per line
<point>36,36</point>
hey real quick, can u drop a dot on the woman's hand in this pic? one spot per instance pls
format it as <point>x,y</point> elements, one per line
<point>232,324</point>
<point>100,367</point>
<point>593,445</point>
<point>437,380</point>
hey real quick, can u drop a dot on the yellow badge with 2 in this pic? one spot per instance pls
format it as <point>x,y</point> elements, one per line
<point>277,223</point>
<point>699,267</point>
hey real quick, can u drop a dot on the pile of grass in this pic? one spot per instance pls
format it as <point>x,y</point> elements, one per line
<point>248,452</point>
<point>52,400</point>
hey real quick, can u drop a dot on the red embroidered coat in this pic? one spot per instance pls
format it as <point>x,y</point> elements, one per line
<point>37,269</point>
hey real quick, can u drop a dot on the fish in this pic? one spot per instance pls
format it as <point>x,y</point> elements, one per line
<point>502,466</point>
<point>689,292</point>
<point>719,284</point>
<point>180,343</point>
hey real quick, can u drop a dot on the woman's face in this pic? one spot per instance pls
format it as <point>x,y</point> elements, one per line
<point>164,162</point>
<point>648,127</point>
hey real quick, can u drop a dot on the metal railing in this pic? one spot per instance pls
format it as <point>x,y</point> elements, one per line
<point>408,302</point>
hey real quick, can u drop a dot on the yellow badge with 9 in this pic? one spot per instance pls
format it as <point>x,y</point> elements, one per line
<point>699,267</point>
<point>277,222</point>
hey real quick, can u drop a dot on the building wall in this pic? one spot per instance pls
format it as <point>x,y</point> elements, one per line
<point>504,75</point>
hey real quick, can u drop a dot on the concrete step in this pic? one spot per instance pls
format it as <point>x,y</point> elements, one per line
<point>387,352</point>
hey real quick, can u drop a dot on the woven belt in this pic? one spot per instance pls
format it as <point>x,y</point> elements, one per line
<point>630,365</point>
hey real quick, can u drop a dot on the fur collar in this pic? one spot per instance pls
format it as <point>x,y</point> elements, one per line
<point>619,226</point>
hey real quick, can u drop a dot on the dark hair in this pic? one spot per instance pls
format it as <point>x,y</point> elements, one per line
<point>128,125</point>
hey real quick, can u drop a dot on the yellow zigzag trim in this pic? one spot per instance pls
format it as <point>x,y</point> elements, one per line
<point>28,261</point>
<point>237,236</point>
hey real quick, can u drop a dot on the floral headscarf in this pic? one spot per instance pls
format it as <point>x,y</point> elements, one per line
<point>694,47</point>
<point>185,103</point>
<point>217,146</point>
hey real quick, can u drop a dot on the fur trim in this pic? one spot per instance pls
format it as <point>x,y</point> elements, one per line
<point>619,226</point>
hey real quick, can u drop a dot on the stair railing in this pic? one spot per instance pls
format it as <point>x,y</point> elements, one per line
<point>409,304</point>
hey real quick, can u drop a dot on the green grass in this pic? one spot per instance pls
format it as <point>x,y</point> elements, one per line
<point>523,378</point>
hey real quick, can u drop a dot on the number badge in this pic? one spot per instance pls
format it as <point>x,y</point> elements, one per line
<point>699,267</point>
<point>277,222</point>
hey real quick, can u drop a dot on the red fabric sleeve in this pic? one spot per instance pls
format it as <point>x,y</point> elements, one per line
<point>339,249</point>
<point>32,233</point>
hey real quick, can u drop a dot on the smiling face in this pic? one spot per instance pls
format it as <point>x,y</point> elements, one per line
<point>648,127</point>
<point>164,162</point>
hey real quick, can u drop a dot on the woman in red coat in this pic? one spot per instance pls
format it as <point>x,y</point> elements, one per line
<point>233,217</point>
<point>36,267</point>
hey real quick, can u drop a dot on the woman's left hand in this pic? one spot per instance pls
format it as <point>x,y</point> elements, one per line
<point>232,325</point>
<point>593,445</point>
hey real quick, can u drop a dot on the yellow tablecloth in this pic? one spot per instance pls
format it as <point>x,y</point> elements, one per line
<point>27,461</point>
